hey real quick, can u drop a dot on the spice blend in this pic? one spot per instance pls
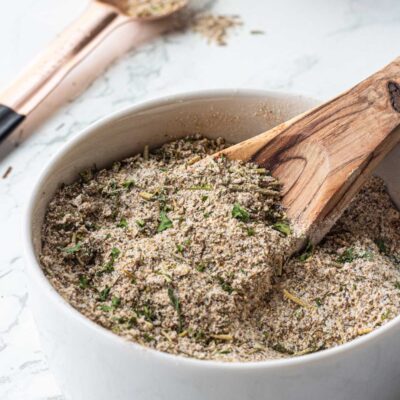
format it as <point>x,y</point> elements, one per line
<point>186,257</point>
<point>215,28</point>
<point>148,8</point>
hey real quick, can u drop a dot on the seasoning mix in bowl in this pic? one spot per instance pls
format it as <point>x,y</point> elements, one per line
<point>190,257</point>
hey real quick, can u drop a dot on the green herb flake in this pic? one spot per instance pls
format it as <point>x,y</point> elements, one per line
<point>105,308</point>
<point>381,245</point>
<point>147,337</point>
<point>86,175</point>
<point>84,282</point>
<point>199,336</point>
<point>368,255</point>
<point>90,226</point>
<point>132,322</point>
<point>397,285</point>
<point>180,248</point>
<point>128,185</point>
<point>281,349</point>
<point>240,213</point>
<point>177,306</point>
<point>201,267</point>
<point>115,253</point>
<point>109,266</point>
<point>147,312</point>
<point>201,187</point>
<point>349,255</point>
<point>282,227</point>
<point>113,186</point>
<point>250,231</point>
<point>204,198</point>
<point>394,258</point>
<point>140,223</point>
<point>107,269</point>
<point>165,222</point>
<point>225,286</point>
<point>73,249</point>
<point>161,197</point>
<point>115,302</point>
<point>385,315</point>
<point>123,223</point>
<point>307,252</point>
<point>104,294</point>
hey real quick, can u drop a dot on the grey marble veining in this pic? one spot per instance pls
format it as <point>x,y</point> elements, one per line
<point>317,48</point>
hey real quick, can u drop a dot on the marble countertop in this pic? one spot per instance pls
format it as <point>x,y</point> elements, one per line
<point>316,48</point>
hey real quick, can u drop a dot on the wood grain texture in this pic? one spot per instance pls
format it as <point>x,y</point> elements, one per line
<point>323,157</point>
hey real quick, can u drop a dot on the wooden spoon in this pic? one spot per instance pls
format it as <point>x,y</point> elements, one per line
<point>323,156</point>
<point>68,50</point>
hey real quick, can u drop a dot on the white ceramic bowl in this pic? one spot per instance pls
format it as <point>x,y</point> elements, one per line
<point>91,363</point>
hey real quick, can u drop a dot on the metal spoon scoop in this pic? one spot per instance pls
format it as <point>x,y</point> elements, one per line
<point>75,44</point>
<point>148,10</point>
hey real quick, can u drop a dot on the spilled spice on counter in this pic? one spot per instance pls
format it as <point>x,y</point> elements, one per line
<point>257,32</point>
<point>182,255</point>
<point>7,172</point>
<point>215,28</point>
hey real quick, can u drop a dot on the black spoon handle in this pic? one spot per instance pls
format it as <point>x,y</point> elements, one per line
<point>9,120</point>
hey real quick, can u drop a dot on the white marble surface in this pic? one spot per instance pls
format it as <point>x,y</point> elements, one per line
<point>314,47</point>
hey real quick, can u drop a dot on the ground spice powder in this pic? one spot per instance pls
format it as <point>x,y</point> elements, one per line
<point>185,257</point>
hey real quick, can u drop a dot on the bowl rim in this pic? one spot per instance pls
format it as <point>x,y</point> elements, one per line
<point>34,270</point>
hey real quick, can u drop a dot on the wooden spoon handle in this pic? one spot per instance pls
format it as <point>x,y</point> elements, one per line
<point>51,67</point>
<point>323,156</point>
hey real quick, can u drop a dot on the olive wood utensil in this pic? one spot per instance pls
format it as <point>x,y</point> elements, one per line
<point>323,156</point>
<point>76,43</point>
